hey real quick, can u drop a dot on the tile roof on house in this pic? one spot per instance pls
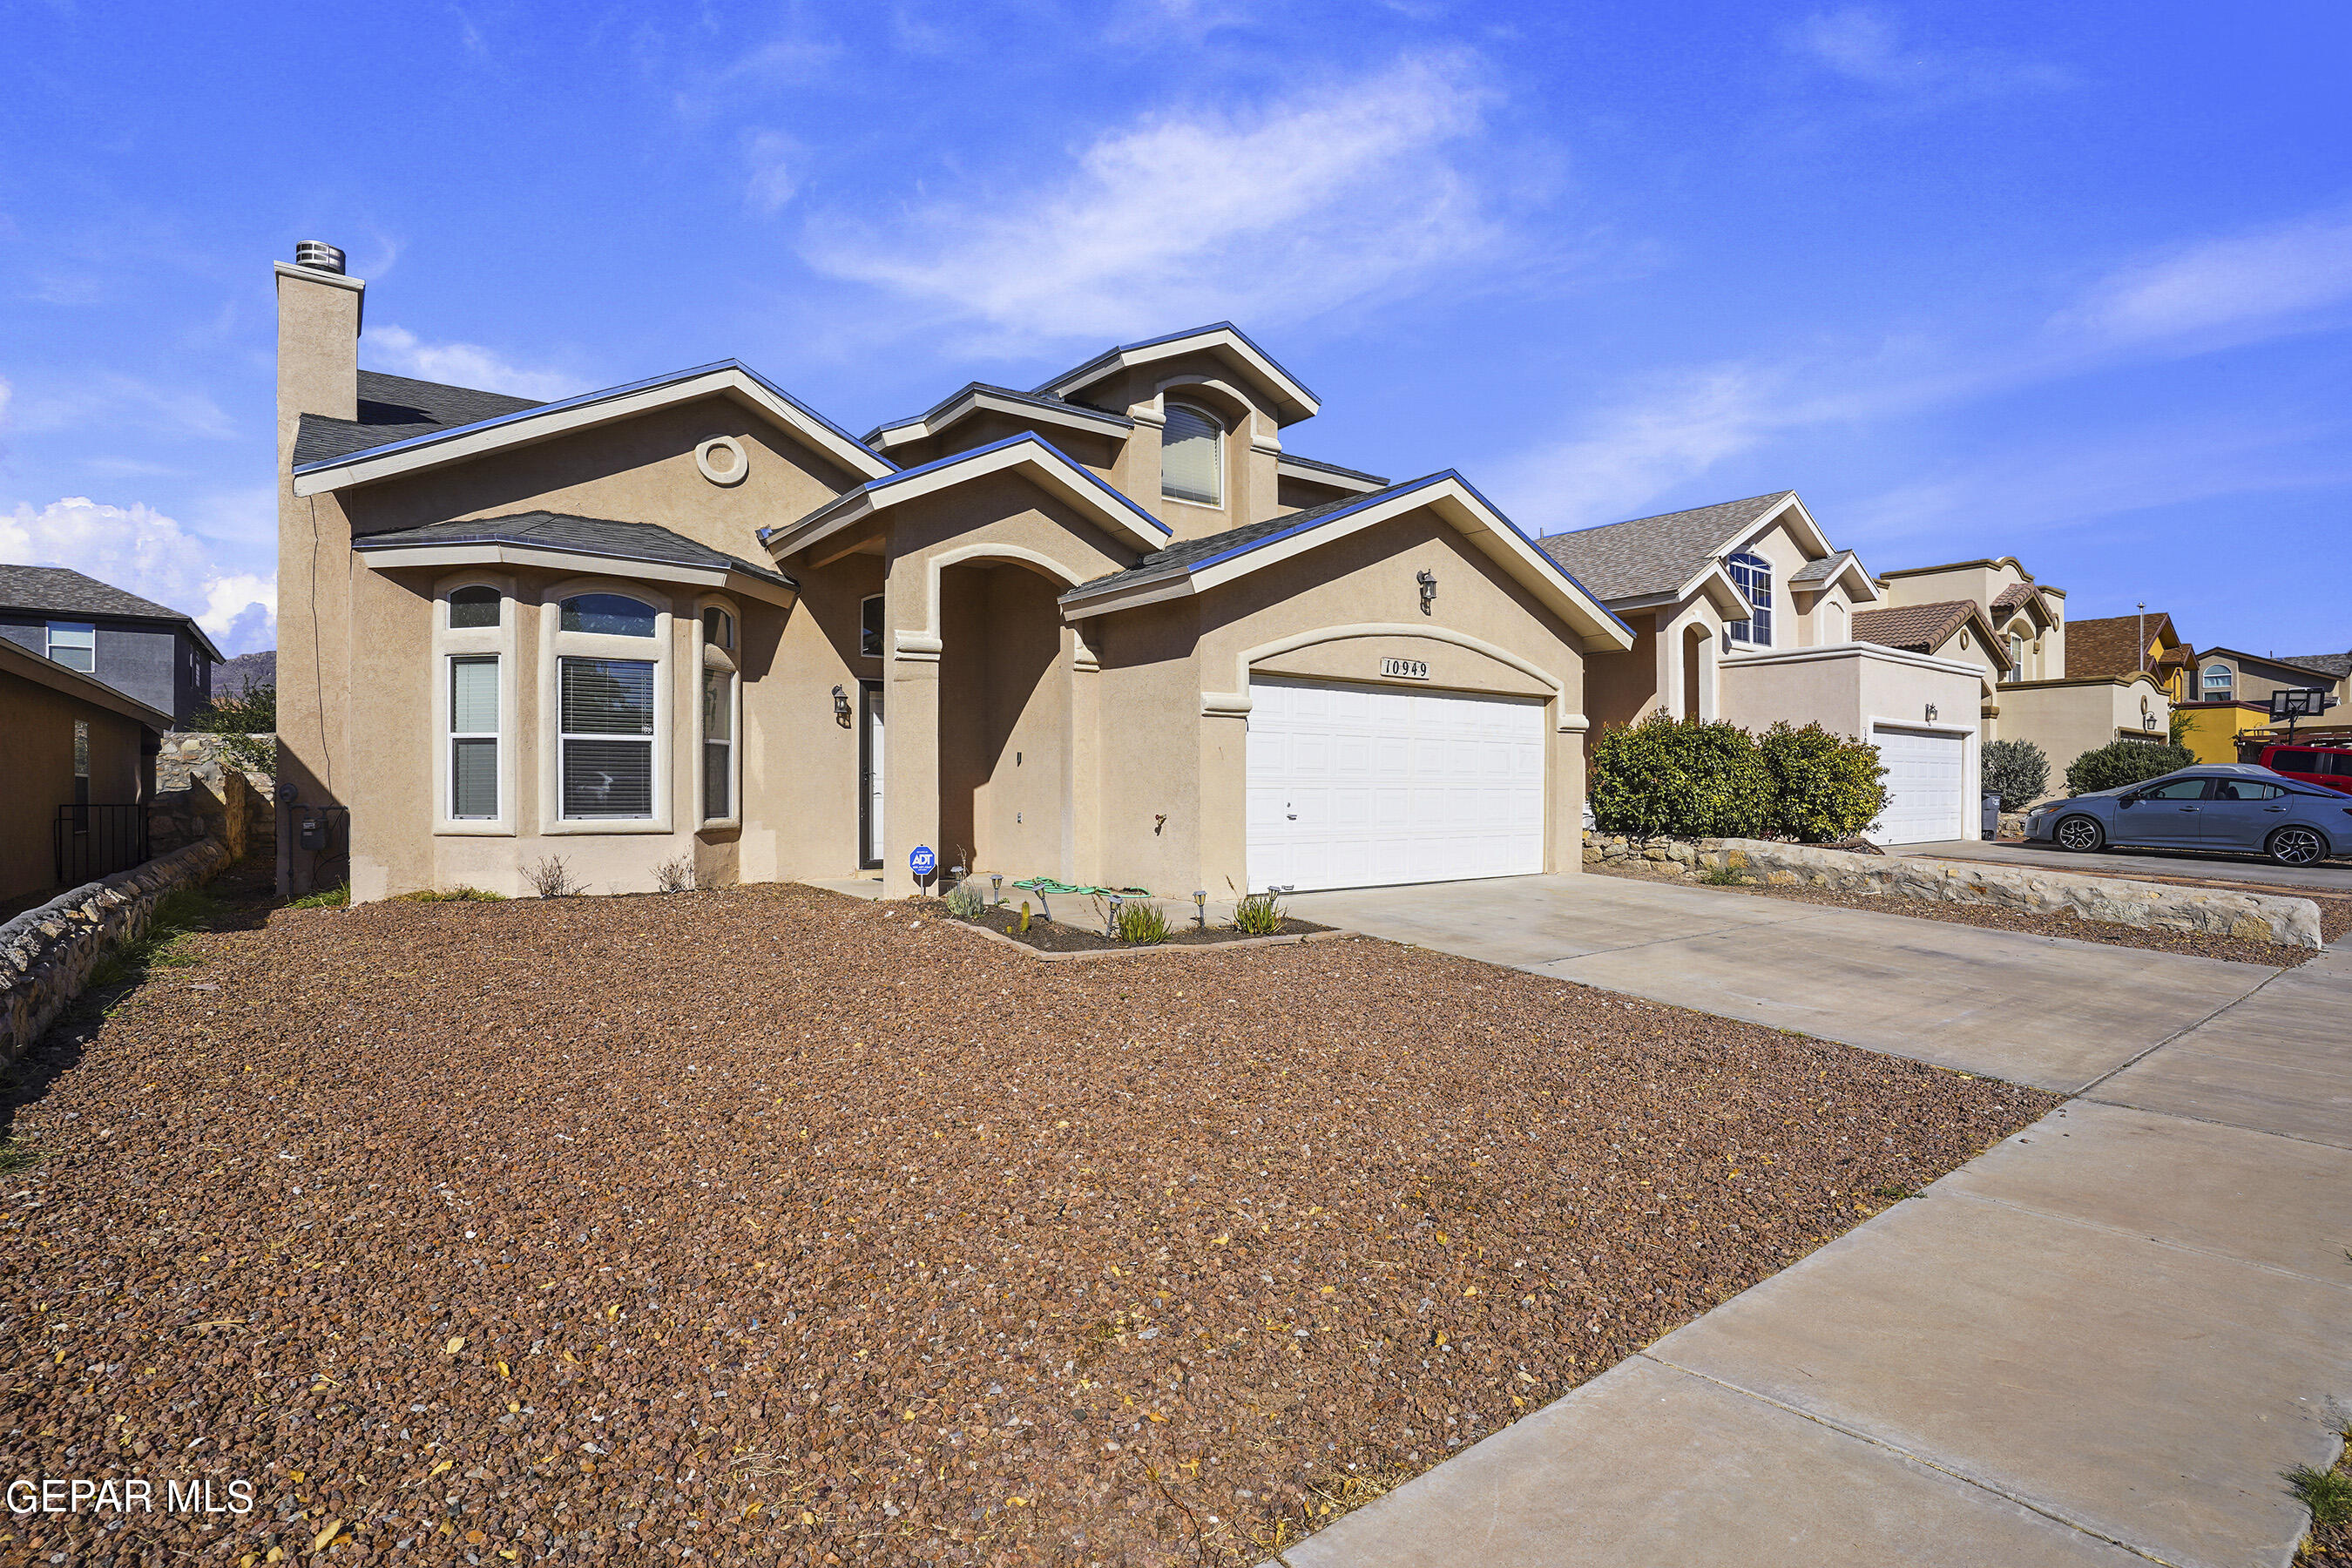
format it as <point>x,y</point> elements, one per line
<point>396,408</point>
<point>2016,593</point>
<point>2338,665</point>
<point>61,591</point>
<point>2111,646</point>
<point>578,535</point>
<point>1921,628</point>
<point>1654,554</point>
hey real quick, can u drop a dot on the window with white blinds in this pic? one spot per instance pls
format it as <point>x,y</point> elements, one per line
<point>718,744</point>
<point>607,739</point>
<point>1193,456</point>
<point>473,737</point>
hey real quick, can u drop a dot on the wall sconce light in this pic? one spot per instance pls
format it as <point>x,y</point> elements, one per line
<point>1201,909</point>
<point>841,707</point>
<point>1428,581</point>
<point>1931,713</point>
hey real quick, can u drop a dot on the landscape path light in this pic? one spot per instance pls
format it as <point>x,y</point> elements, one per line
<point>1201,909</point>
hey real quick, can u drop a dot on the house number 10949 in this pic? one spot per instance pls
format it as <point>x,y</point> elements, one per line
<point>1404,668</point>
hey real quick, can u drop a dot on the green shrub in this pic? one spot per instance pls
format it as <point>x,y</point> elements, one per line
<point>1680,777</point>
<point>1260,914</point>
<point>247,723</point>
<point>966,902</point>
<point>2017,770</point>
<point>2121,764</point>
<point>1824,786</point>
<point>1141,922</point>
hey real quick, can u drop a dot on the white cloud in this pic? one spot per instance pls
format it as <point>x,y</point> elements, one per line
<point>774,161</point>
<point>2253,283</point>
<point>1608,467</point>
<point>1865,46</point>
<point>1274,213</point>
<point>143,552</point>
<point>401,352</point>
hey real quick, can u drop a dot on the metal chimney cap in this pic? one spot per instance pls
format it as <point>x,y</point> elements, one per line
<point>317,254</point>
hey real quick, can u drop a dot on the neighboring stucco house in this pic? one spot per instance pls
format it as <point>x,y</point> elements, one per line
<point>2233,695</point>
<point>2066,688</point>
<point>1107,629</point>
<point>77,770</point>
<point>142,649</point>
<point>1745,611</point>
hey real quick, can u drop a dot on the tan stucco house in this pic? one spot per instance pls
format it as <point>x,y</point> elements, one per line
<point>1108,629</point>
<point>2067,689</point>
<point>1745,611</point>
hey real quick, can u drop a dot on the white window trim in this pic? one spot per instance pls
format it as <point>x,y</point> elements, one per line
<point>447,642</point>
<point>50,646</point>
<point>1225,429</point>
<point>713,658</point>
<point>555,645</point>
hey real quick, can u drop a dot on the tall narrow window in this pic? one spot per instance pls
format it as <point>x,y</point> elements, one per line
<point>718,744</point>
<point>81,775</point>
<point>1193,456</point>
<point>1752,575</point>
<point>869,626</point>
<point>74,644</point>
<point>717,627</point>
<point>608,736</point>
<point>2016,655</point>
<point>473,737</point>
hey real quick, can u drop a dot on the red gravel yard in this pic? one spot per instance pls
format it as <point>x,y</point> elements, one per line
<point>770,1225</point>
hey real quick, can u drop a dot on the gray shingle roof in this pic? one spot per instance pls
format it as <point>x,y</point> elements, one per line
<point>580,535</point>
<point>1184,554</point>
<point>1824,570</point>
<point>396,408</point>
<point>1653,554</point>
<point>61,591</point>
<point>2339,665</point>
<point>1333,468</point>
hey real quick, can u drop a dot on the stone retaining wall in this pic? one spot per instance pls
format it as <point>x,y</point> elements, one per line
<point>1677,856</point>
<point>201,794</point>
<point>2249,916</point>
<point>46,954</point>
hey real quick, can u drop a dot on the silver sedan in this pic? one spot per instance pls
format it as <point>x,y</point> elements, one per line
<point>2215,806</point>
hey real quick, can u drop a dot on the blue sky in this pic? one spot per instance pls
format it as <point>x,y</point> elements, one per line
<point>2068,283</point>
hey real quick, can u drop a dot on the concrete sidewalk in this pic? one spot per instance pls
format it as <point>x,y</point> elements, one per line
<point>2100,1342</point>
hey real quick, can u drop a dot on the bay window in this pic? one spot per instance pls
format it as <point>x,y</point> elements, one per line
<point>606,738</point>
<point>473,737</point>
<point>718,715</point>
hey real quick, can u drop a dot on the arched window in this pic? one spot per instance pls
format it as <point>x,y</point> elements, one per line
<point>608,615</point>
<point>473,607</point>
<point>1193,456</point>
<point>2220,683</point>
<point>1752,575</point>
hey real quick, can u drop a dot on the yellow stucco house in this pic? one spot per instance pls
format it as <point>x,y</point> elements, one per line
<point>1108,629</point>
<point>2233,694</point>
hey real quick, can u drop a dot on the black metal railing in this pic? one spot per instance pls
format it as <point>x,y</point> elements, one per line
<point>94,841</point>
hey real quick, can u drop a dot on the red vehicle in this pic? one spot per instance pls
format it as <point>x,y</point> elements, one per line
<point>2326,765</point>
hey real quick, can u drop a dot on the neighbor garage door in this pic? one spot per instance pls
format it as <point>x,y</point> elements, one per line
<point>1924,776</point>
<point>1359,787</point>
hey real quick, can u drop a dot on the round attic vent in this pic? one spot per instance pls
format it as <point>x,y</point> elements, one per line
<point>722,460</point>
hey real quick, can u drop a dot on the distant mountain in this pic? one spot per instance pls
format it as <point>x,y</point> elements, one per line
<point>232,676</point>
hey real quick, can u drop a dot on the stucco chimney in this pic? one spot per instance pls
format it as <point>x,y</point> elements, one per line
<point>317,341</point>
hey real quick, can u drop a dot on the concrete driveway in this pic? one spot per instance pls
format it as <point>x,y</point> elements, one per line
<point>2051,1012</point>
<point>2333,876</point>
<point>2099,1343</point>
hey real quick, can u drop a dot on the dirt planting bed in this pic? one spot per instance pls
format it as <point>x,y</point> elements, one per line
<point>772,1227</point>
<point>1053,936</point>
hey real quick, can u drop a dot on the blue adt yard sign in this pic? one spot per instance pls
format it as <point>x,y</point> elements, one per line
<point>922,862</point>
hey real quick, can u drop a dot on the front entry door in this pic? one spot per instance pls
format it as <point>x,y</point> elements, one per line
<point>869,774</point>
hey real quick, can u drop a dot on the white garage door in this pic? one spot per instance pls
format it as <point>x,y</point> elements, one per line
<point>1924,776</point>
<point>1361,786</point>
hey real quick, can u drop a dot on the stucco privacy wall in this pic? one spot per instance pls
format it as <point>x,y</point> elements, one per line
<point>2067,717</point>
<point>36,773</point>
<point>46,954</point>
<point>1335,610</point>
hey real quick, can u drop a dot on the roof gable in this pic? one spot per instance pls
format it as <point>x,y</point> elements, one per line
<point>979,396</point>
<point>440,445</point>
<point>1289,397</point>
<point>2112,645</point>
<point>62,591</point>
<point>1196,565</point>
<point>1669,554</point>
